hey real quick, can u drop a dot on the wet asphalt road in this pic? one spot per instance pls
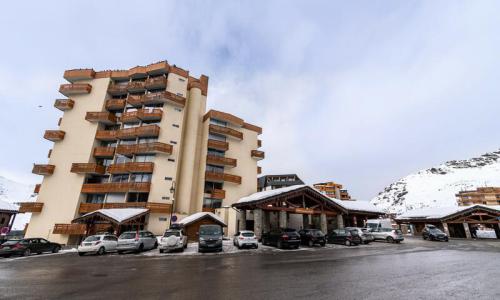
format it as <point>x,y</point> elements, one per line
<point>413,270</point>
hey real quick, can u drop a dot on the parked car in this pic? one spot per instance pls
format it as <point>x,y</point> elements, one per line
<point>312,237</point>
<point>344,237</point>
<point>136,241</point>
<point>26,247</point>
<point>282,238</point>
<point>173,240</point>
<point>388,234</point>
<point>210,238</point>
<point>365,235</point>
<point>98,244</point>
<point>432,233</point>
<point>245,238</point>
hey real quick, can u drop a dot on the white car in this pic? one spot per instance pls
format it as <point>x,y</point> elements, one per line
<point>173,239</point>
<point>98,244</point>
<point>245,238</point>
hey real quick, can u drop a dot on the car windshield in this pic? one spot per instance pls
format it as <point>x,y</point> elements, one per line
<point>172,233</point>
<point>354,232</point>
<point>247,234</point>
<point>398,231</point>
<point>210,230</point>
<point>372,226</point>
<point>435,230</point>
<point>127,236</point>
<point>9,243</point>
<point>92,238</point>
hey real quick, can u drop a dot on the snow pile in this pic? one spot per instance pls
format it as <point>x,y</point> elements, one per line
<point>437,186</point>
<point>440,212</point>
<point>118,214</point>
<point>199,215</point>
<point>358,205</point>
<point>13,192</point>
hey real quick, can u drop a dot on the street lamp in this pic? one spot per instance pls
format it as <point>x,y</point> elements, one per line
<point>172,191</point>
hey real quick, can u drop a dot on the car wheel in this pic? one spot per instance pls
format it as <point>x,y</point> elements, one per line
<point>310,243</point>
<point>156,245</point>
<point>424,237</point>
<point>347,243</point>
<point>27,252</point>
<point>141,248</point>
<point>101,251</point>
<point>279,245</point>
<point>390,239</point>
<point>119,252</point>
<point>56,249</point>
<point>256,246</point>
<point>161,250</point>
<point>81,253</point>
<point>322,244</point>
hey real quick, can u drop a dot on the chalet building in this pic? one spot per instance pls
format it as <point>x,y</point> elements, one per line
<point>300,206</point>
<point>333,190</point>
<point>7,214</point>
<point>482,195</point>
<point>271,182</point>
<point>140,139</point>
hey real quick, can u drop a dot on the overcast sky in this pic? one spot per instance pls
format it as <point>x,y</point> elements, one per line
<point>359,92</point>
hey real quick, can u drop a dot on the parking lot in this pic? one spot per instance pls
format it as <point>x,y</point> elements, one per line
<point>460,269</point>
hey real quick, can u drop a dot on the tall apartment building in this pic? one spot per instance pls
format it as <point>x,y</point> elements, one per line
<point>141,138</point>
<point>271,182</point>
<point>482,195</point>
<point>333,190</point>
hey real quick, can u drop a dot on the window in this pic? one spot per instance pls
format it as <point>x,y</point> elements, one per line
<point>173,142</point>
<point>180,94</point>
<point>137,197</point>
<point>178,109</point>
<point>175,125</point>
<point>119,178</point>
<point>120,159</point>
<point>212,203</point>
<point>97,179</point>
<point>108,144</point>
<point>182,79</point>
<point>215,169</point>
<point>130,125</point>
<point>95,198</point>
<point>147,140</point>
<point>151,122</point>
<point>216,137</point>
<point>210,186</point>
<point>218,122</point>
<point>215,152</point>
<point>140,177</point>
<point>171,159</point>
<point>145,158</point>
<point>130,109</point>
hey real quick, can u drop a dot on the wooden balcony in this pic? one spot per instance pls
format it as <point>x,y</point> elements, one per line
<point>156,83</point>
<point>130,117</point>
<point>259,170</point>
<point>87,168</point>
<point>54,135</point>
<point>119,74</point>
<point>37,188</point>
<point>70,229</point>
<point>43,169</point>
<point>136,86</point>
<point>212,128</point>
<point>115,104</point>
<point>30,207</point>
<point>106,135</point>
<point>221,161</point>
<point>222,116</point>
<point>64,104</point>
<point>131,167</point>
<point>214,176</point>
<point>157,68</point>
<point>141,131</point>
<point>208,209</point>
<point>259,143</point>
<point>218,145</point>
<point>216,194</point>
<point>75,89</point>
<point>104,152</point>
<point>146,148</point>
<point>101,117</point>
<point>138,72</point>
<point>150,114</point>
<point>134,100</point>
<point>79,74</point>
<point>154,207</point>
<point>117,89</point>
<point>116,187</point>
<point>164,97</point>
<point>257,154</point>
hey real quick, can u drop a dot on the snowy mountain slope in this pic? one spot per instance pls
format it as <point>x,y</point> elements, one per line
<point>436,187</point>
<point>12,192</point>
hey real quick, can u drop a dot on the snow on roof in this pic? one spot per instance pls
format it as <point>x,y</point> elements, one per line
<point>439,212</point>
<point>119,214</point>
<point>199,215</point>
<point>358,205</point>
<point>270,193</point>
<point>6,206</point>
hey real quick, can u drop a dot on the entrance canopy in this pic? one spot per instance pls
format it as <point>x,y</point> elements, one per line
<point>451,214</point>
<point>118,216</point>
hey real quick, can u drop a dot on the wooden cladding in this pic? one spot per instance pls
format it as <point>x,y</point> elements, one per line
<point>101,117</point>
<point>259,143</point>
<point>64,104</point>
<point>87,168</point>
<point>75,89</point>
<point>37,188</point>
<point>214,176</point>
<point>70,229</point>
<point>141,131</point>
<point>154,207</point>
<point>131,167</point>
<point>104,152</point>
<point>222,116</point>
<point>54,135</point>
<point>146,148</point>
<point>43,169</point>
<point>116,187</point>
<point>79,74</point>
<point>142,114</point>
<point>217,194</point>
<point>30,207</point>
<point>156,83</point>
<point>221,161</point>
<point>258,154</point>
<point>212,128</point>
<point>117,89</point>
<point>259,170</point>
<point>253,128</point>
<point>134,100</point>
<point>218,145</point>
<point>106,135</point>
<point>115,104</point>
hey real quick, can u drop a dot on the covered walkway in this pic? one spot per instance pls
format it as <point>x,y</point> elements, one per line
<point>113,220</point>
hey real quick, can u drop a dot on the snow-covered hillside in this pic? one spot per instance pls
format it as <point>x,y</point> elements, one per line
<point>12,192</point>
<point>436,187</point>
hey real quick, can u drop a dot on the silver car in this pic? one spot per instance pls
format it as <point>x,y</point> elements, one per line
<point>173,239</point>
<point>388,234</point>
<point>136,241</point>
<point>365,235</point>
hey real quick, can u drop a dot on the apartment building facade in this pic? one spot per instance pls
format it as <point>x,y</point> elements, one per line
<point>272,182</point>
<point>333,190</point>
<point>482,195</point>
<point>141,138</point>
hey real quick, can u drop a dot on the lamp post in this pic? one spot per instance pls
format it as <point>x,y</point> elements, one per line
<point>172,191</point>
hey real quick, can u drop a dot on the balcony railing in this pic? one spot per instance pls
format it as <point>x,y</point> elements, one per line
<point>154,207</point>
<point>115,187</point>
<point>258,154</point>
<point>221,161</point>
<point>218,145</point>
<point>157,68</point>
<point>104,152</point>
<point>54,135</point>
<point>117,89</point>
<point>30,207</point>
<point>148,114</point>
<point>106,135</point>
<point>75,89</point>
<point>64,104</point>
<point>214,176</point>
<point>156,83</point>
<point>164,97</point>
<point>101,117</point>
<point>147,148</point>
<point>138,72</point>
<point>131,167</point>
<point>115,104</point>
<point>212,128</point>
<point>217,194</point>
<point>43,169</point>
<point>141,131</point>
<point>130,117</point>
<point>134,100</point>
<point>136,86</point>
<point>37,188</point>
<point>79,74</point>
<point>87,168</point>
<point>70,229</point>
